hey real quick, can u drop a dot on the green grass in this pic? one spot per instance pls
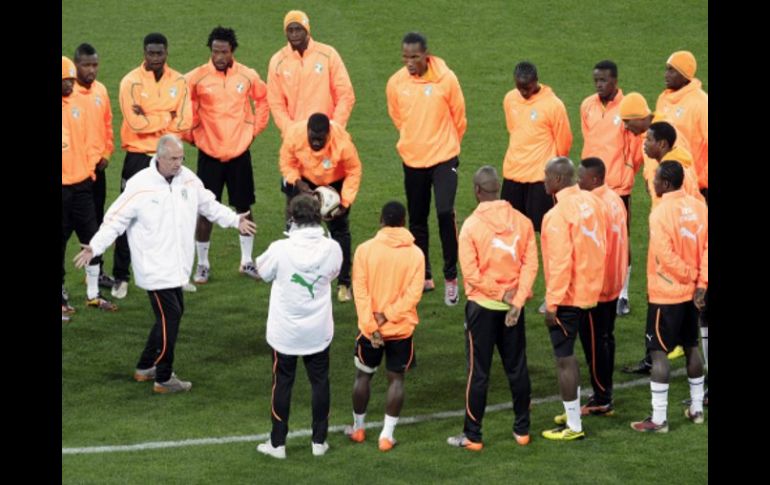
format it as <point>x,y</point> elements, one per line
<point>221,346</point>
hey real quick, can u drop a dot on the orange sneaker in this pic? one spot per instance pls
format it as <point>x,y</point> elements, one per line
<point>387,444</point>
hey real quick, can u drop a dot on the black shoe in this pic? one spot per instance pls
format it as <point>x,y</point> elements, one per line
<point>640,367</point>
<point>106,281</point>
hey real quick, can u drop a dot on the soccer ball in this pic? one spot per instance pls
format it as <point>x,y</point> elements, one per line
<point>329,199</point>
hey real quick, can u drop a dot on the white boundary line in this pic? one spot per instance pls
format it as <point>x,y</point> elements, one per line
<point>152,445</point>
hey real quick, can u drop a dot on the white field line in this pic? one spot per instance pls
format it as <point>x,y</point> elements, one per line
<point>152,445</point>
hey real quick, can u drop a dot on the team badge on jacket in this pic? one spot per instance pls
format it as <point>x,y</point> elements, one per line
<point>319,67</point>
<point>172,92</point>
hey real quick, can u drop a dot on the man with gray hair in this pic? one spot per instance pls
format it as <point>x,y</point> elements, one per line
<point>158,211</point>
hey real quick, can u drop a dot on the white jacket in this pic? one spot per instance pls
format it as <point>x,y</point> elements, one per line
<point>159,218</point>
<point>301,267</point>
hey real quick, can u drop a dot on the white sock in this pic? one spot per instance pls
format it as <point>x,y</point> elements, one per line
<point>92,281</point>
<point>389,427</point>
<point>659,401</point>
<point>704,335</point>
<point>202,248</point>
<point>247,245</point>
<point>624,291</point>
<point>573,414</point>
<point>696,394</point>
<point>358,420</point>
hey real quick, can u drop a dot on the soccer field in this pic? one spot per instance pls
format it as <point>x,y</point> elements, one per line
<point>221,346</point>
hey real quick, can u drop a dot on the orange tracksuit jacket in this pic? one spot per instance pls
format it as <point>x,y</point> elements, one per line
<point>677,258</point>
<point>616,260</point>
<point>682,156</point>
<point>77,144</point>
<point>539,130</point>
<point>101,110</point>
<point>337,160</point>
<point>317,82</point>
<point>574,245</point>
<point>224,124</point>
<point>497,252</point>
<point>388,275</point>
<point>140,133</point>
<point>429,114</point>
<point>604,136</point>
<point>688,110</point>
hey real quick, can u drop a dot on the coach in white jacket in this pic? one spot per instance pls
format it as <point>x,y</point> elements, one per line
<point>158,210</point>
<point>299,320</point>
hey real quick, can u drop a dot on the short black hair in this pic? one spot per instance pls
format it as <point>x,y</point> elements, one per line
<point>155,38</point>
<point>84,49</point>
<point>225,34</point>
<point>318,123</point>
<point>672,172</point>
<point>596,164</point>
<point>663,130</point>
<point>416,38</point>
<point>305,210</point>
<point>608,65</point>
<point>525,70</point>
<point>393,214</point>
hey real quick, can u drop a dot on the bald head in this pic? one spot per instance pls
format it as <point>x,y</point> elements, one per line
<point>486,184</point>
<point>559,174</point>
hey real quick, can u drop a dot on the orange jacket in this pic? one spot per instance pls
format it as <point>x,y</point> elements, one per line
<point>497,252</point>
<point>338,160</point>
<point>690,184</point>
<point>616,261</point>
<point>388,275</point>
<point>224,123</point>
<point>604,136</point>
<point>677,258</point>
<point>429,114</point>
<point>76,140</point>
<point>574,245</point>
<point>539,130</point>
<point>688,110</point>
<point>100,111</point>
<point>317,82</point>
<point>140,133</point>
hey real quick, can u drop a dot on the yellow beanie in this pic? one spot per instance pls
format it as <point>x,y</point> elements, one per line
<point>67,68</point>
<point>297,16</point>
<point>633,106</point>
<point>684,62</point>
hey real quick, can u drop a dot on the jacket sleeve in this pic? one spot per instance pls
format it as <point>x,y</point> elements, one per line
<point>147,123</point>
<point>353,171</point>
<point>192,84</point>
<point>392,98</point>
<point>275,98</point>
<point>470,266</point>
<point>410,295</point>
<point>366,322</point>
<point>288,162</point>
<point>261,108</point>
<point>529,266</point>
<point>508,112</point>
<point>183,120</point>
<point>703,274</point>
<point>558,252</point>
<point>662,249</point>
<point>267,263</point>
<point>117,219</point>
<point>457,107</point>
<point>342,92</point>
<point>561,130</point>
<point>212,210</point>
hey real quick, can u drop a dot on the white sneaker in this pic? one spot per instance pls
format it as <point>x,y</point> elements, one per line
<point>189,287</point>
<point>451,295</point>
<point>541,310</point>
<point>201,275</point>
<point>279,452</point>
<point>319,449</point>
<point>120,290</point>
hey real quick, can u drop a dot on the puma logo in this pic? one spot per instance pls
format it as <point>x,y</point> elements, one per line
<point>295,278</point>
<point>649,337</point>
<point>591,234</point>
<point>684,232</point>
<point>499,244</point>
